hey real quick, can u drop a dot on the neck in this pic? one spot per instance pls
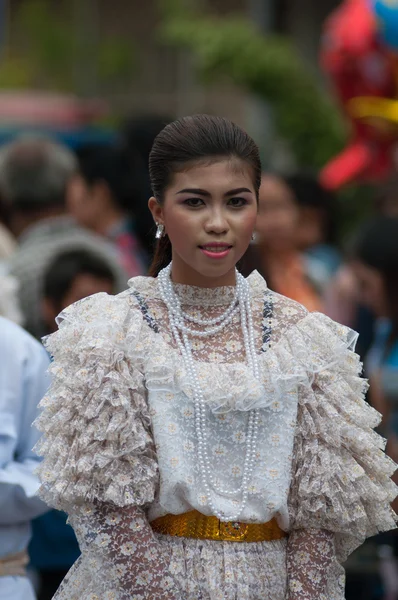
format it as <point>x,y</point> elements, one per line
<point>182,273</point>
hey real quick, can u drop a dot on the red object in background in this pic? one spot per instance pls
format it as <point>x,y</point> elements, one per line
<point>361,70</point>
<point>49,110</point>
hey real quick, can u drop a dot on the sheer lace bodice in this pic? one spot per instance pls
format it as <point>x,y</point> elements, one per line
<point>119,437</point>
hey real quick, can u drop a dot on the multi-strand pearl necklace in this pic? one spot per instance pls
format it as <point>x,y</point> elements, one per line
<point>179,323</point>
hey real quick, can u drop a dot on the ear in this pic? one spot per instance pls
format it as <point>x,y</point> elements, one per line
<point>156,209</point>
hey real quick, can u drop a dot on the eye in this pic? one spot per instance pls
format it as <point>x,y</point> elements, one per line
<point>194,202</point>
<point>237,202</point>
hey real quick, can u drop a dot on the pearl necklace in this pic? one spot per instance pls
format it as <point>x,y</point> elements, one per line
<point>240,303</point>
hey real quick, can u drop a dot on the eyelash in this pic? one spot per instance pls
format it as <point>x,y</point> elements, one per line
<point>188,202</point>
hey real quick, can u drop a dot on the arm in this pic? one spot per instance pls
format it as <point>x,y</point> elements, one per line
<point>310,556</point>
<point>100,462</point>
<point>23,383</point>
<point>341,486</point>
<point>125,552</point>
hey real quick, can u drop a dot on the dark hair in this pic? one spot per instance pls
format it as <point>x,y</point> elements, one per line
<point>376,245</point>
<point>34,173</point>
<point>386,196</point>
<point>111,165</point>
<point>308,192</point>
<point>190,140</point>
<point>66,266</point>
<point>136,138</point>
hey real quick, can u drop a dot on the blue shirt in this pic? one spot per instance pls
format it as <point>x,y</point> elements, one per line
<point>23,382</point>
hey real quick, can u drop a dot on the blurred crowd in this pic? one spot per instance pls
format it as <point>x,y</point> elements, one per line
<point>74,222</point>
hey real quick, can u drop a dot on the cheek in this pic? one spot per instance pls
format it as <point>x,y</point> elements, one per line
<point>246,222</point>
<point>177,221</point>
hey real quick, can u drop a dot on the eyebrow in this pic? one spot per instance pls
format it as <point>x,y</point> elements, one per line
<point>200,192</point>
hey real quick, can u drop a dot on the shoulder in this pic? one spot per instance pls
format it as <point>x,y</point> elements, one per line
<point>105,306</point>
<point>97,321</point>
<point>19,351</point>
<point>145,287</point>
<point>14,339</point>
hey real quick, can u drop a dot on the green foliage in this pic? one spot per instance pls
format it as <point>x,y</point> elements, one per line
<point>52,51</point>
<point>15,74</point>
<point>50,43</point>
<point>116,60</point>
<point>266,66</point>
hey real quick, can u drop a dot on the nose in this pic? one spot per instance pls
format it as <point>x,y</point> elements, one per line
<point>217,222</point>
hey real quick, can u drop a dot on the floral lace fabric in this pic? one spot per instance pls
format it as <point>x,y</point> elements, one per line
<point>119,448</point>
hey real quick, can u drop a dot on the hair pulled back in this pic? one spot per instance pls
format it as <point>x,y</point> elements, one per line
<point>195,139</point>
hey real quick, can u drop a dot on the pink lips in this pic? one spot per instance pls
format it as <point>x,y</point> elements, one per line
<point>216,250</point>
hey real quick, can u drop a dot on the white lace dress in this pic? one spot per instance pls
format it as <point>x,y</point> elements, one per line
<point>119,448</point>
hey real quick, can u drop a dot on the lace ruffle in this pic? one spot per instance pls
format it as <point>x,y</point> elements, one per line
<point>297,355</point>
<point>341,476</point>
<point>97,443</point>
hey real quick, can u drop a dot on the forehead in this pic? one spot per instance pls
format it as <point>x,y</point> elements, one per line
<point>215,177</point>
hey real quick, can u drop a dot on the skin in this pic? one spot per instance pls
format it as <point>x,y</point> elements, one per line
<point>83,285</point>
<point>222,208</point>
<point>278,216</point>
<point>92,206</point>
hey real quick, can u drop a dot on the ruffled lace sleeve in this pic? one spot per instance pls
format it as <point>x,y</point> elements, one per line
<point>341,477</point>
<point>97,443</point>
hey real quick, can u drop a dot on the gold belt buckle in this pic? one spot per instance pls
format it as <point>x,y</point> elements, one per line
<point>232,531</point>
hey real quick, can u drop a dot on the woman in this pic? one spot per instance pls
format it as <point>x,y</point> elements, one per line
<point>101,197</point>
<point>187,431</point>
<point>276,251</point>
<point>375,265</point>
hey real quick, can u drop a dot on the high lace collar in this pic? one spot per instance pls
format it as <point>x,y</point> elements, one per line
<point>198,296</point>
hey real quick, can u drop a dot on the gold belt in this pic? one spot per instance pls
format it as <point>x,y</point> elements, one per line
<point>195,525</point>
<point>14,565</point>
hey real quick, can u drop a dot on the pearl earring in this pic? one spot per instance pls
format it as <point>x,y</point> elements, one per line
<point>159,231</point>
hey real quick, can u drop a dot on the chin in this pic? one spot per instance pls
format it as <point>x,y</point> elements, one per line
<point>216,270</point>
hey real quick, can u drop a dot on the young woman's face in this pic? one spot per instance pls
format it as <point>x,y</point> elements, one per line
<point>209,213</point>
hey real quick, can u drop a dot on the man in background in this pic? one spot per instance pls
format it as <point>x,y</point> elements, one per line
<point>23,382</point>
<point>34,177</point>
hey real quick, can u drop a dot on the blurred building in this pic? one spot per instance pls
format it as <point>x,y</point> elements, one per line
<point>163,80</point>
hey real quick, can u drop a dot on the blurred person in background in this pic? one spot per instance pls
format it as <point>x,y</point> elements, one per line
<point>7,241</point>
<point>70,277</point>
<point>34,177</point>
<point>375,267</point>
<point>386,200</point>
<point>136,138</point>
<point>342,297</point>
<point>9,304</point>
<point>275,253</point>
<point>23,382</point>
<point>316,230</point>
<point>101,198</point>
